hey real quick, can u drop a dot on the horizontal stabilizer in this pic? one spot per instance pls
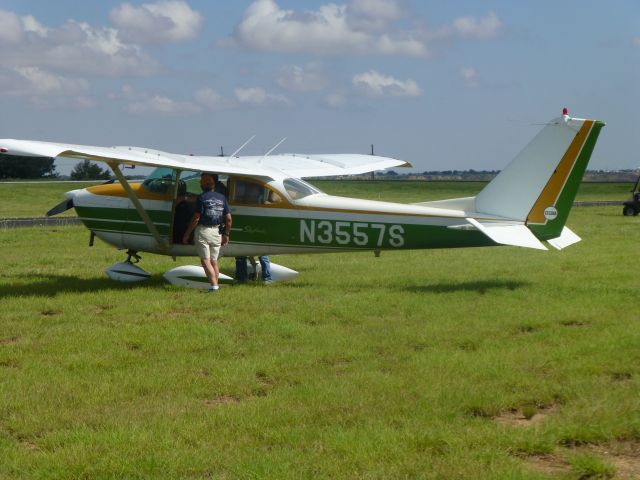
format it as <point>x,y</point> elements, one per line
<point>566,238</point>
<point>508,233</point>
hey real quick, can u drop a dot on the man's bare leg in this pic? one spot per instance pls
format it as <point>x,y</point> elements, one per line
<point>210,270</point>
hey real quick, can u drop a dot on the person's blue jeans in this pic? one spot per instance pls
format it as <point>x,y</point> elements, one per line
<point>241,268</point>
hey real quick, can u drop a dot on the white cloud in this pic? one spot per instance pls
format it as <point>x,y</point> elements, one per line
<point>143,103</point>
<point>470,76</point>
<point>164,21</point>
<point>374,15</point>
<point>35,81</point>
<point>636,42</point>
<point>11,29</point>
<point>258,96</point>
<point>44,89</point>
<point>74,47</point>
<point>210,99</point>
<point>30,24</point>
<point>376,84</point>
<point>332,29</point>
<point>478,28</point>
<point>74,103</point>
<point>301,79</point>
<point>335,100</point>
<point>162,105</point>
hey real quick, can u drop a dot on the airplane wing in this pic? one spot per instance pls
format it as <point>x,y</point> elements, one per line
<point>294,165</point>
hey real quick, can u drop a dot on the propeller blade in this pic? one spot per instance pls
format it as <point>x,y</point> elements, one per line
<point>61,207</point>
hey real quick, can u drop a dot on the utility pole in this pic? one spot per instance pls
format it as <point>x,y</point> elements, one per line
<point>373,174</point>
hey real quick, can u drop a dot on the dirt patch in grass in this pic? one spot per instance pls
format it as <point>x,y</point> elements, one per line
<point>99,309</point>
<point>574,323</point>
<point>525,417</point>
<point>624,456</point>
<point>222,400</point>
<point>621,376</point>
<point>9,341</point>
<point>552,465</point>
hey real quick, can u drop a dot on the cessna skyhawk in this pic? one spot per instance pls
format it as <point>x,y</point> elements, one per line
<point>276,212</point>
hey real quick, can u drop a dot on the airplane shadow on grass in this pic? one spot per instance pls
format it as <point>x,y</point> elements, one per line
<point>479,286</point>
<point>52,285</point>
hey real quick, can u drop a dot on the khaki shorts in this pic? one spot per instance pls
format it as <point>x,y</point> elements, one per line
<point>207,241</point>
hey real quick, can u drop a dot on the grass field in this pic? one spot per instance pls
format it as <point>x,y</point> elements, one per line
<point>479,363</point>
<point>33,199</point>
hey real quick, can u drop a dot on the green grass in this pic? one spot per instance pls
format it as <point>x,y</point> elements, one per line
<point>32,199</point>
<point>591,467</point>
<point>363,367</point>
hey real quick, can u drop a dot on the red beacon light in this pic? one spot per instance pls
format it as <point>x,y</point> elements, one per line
<point>565,111</point>
<point>3,150</point>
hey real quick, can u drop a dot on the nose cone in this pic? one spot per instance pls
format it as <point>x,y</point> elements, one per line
<point>70,195</point>
<point>65,204</point>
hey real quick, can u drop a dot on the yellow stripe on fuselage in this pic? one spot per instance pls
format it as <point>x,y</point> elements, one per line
<point>116,190</point>
<point>549,195</point>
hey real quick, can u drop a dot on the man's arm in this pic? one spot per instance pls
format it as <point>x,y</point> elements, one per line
<point>194,223</point>
<point>227,229</point>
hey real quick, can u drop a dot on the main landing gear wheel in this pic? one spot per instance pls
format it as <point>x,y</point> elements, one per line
<point>126,271</point>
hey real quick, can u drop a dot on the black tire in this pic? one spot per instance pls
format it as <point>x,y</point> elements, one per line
<point>627,211</point>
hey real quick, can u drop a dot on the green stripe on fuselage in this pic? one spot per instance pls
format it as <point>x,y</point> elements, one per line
<point>125,220</point>
<point>347,233</point>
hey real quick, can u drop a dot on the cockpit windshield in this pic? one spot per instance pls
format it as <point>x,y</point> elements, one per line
<point>298,189</point>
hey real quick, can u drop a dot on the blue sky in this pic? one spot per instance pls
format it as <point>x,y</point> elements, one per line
<point>444,85</point>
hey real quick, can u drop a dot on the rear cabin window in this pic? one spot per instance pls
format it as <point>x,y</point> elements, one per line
<point>249,192</point>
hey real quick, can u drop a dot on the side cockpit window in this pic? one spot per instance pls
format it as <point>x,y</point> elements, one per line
<point>298,189</point>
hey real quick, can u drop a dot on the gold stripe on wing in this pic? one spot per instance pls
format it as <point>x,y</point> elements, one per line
<point>549,195</point>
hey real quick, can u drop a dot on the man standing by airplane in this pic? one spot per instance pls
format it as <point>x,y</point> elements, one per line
<point>211,216</point>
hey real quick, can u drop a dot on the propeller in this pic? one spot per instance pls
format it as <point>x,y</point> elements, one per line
<point>61,207</point>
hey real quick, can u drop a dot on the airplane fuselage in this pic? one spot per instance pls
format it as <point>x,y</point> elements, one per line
<point>317,223</point>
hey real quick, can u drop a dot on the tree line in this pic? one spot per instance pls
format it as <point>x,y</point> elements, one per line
<point>23,167</point>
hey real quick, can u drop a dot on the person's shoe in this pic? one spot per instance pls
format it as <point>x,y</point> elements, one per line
<point>212,290</point>
<point>267,282</point>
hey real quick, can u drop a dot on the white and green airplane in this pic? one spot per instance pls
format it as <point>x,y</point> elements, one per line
<point>276,212</point>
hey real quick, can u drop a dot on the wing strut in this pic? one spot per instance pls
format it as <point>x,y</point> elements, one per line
<point>139,208</point>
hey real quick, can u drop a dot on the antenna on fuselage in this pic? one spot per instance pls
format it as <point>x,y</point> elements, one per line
<point>241,147</point>
<point>272,149</point>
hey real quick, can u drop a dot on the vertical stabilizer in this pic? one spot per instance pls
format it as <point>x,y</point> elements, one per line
<point>540,184</point>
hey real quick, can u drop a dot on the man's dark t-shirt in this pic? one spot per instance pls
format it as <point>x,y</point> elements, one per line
<point>213,208</point>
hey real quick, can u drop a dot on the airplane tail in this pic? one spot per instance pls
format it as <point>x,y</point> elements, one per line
<point>540,184</point>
